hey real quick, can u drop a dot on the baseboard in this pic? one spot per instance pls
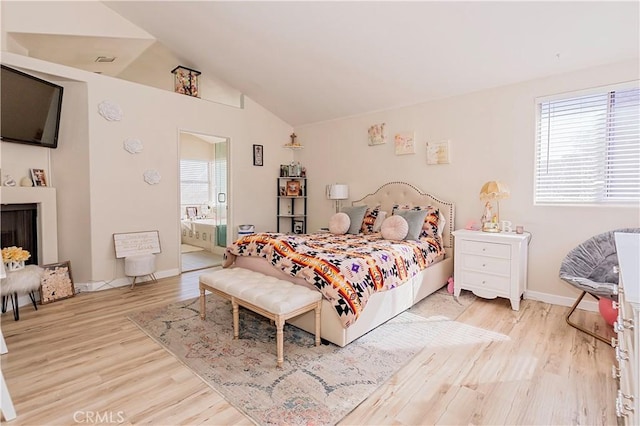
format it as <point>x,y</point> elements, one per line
<point>24,300</point>
<point>587,305</point>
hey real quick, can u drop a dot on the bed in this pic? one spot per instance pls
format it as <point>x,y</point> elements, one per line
<point>396,292</point>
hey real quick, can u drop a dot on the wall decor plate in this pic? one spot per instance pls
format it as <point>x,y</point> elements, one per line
<point>152,176</point>
<point>110,111</point>
<point>133,146</point>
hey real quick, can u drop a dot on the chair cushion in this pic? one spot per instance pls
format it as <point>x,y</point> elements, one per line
<point>590,266</point>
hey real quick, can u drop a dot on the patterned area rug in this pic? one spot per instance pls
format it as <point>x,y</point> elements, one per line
<point>318,385</point>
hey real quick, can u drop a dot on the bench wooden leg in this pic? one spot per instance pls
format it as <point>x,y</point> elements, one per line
<point>236,319</point>
<point>203,304</point>
<point>318,308</point>
<point>280,339</point>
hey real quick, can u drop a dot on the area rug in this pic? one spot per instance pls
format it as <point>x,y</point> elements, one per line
<point>317,385</point>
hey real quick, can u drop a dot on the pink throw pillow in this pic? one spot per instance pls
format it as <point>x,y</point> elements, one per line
<point>394,228</point>
<point>339,223</point>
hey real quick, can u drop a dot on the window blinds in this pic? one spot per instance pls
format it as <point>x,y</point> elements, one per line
<point>588,149</point>
<point>195,182</point>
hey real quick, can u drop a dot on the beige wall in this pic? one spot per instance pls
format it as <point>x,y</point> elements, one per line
<point>492,137</point>
<point>100,186</point>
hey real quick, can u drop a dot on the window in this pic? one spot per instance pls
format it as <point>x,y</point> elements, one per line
<point>195,183</point>
<point>588,149</point>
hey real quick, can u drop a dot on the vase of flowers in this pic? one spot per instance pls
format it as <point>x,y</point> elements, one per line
<point>14,258</point>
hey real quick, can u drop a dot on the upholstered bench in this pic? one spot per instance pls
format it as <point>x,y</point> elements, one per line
<point>270,297</point>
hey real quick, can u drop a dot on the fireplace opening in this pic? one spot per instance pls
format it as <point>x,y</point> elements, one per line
<point>19,227</point>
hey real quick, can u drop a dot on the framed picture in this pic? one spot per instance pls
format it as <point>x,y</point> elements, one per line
<point>438,152</point>
<point>377,134</point>
<point>293,188</point>
<point>192,212</point>
<point>56,282</point>
<point>298,227</point>
<point>258,155</point>
<point>38,177</point>
<point>405,143</point>
<point>282,191</point>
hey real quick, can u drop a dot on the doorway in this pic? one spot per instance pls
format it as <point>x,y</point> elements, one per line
<point>203,200</point>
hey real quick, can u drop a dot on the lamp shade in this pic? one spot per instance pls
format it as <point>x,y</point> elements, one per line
<point>494,190</point>
<point>337,191</point>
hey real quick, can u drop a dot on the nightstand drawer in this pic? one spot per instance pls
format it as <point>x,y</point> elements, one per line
<point>486,249</point>
<point>490,282</point>
<point>486,264</point>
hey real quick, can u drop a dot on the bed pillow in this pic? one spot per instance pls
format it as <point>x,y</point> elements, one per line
<point>369,220</point>
<point>415,219</point>
<point>382,215</point>
<point>434,221</point>
<point>356,215</point>
<point>394,228</point>
<point>339,223</point>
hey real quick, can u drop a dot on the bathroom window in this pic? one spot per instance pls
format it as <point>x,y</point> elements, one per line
<point>195,183</point>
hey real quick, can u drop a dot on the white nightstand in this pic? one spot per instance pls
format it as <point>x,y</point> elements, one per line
<point>491,264</point>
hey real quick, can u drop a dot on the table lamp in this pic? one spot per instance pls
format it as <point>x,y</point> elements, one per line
<point>492,190</point>
<point>337,192</point>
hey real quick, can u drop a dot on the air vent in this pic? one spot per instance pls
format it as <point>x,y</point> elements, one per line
<point>105,58</point>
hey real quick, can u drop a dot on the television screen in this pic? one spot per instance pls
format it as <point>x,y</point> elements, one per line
<point>30,109</point>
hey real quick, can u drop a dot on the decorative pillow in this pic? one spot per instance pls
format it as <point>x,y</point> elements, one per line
<point>394,228</point>
<point>382,215</point>
<point>339,223</point>
<point>356,215</point>
<point>433,223</point>
<point>415,219</point>
<point>369,220</point>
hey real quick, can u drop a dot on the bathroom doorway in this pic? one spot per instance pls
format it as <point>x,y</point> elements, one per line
<point>203,200</point>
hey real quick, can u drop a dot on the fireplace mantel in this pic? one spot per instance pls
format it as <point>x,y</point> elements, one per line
<point>45,198</point>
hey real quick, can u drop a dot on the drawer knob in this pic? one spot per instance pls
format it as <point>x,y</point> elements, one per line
<point>621,354</point>
<point>615,372</point>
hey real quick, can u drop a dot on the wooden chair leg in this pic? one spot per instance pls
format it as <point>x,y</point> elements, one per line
<point>579,327</point>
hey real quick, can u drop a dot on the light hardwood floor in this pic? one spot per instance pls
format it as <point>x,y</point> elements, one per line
<point>81,357</point>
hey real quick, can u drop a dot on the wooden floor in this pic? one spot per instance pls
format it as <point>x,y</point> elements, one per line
<point>81,361</point>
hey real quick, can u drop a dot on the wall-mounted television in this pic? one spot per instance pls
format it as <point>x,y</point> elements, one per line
<point>30,109</point>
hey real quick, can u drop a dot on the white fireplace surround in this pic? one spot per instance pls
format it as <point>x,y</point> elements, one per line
<point>45,198</point>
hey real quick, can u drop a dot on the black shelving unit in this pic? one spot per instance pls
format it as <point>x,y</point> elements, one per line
<point>292,209</point>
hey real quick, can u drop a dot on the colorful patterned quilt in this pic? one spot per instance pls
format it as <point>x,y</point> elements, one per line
<point>347,269</point>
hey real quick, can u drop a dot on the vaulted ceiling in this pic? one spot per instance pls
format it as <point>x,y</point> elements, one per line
<point>314,61</point>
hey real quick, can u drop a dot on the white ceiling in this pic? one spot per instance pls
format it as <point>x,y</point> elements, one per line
<point>315,61</point>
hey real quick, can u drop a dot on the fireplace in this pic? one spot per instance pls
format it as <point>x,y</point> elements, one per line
<point>19,227</point>
<point>40,203</point>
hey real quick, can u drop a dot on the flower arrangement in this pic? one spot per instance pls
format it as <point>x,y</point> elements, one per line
<point>14,257</point>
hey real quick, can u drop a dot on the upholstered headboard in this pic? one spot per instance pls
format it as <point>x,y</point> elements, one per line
<point>404,193</point>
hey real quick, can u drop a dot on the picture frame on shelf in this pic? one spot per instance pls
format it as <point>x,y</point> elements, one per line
<point>56,283</point>
<point>258,155</point>
<point>192,212</point>
<point>293,188</point>
<point>39,177</point>
<point>298,227</point>
<point>282,191</point>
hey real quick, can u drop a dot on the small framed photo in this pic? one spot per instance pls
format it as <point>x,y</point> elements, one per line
<point>282,191</point>
<point>298,227</point>
<point>293,188</point>
<point>38,177</point>
<point>56,282</point>
<point>192,212</point>
<point>258,155</point>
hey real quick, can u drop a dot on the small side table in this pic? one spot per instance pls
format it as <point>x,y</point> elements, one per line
<point>23,281</point>
<point>491,264</point>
